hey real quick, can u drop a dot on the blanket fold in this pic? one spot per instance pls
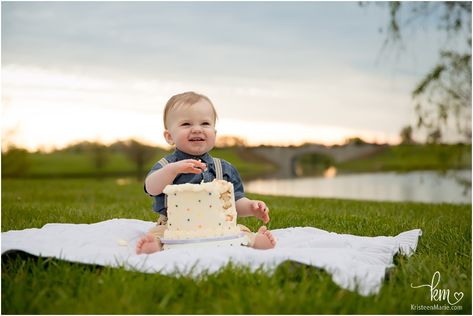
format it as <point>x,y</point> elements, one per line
<point>355,263</point>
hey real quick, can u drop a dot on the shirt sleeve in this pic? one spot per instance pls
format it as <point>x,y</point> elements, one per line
<point>156,166</point>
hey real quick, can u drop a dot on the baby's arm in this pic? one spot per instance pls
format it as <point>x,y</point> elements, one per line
<point>158,180</point>
<point>246,207</point>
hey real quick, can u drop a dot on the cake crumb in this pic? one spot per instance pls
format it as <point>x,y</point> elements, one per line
<point>122,242</point>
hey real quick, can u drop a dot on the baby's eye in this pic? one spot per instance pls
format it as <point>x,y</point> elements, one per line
<point>185,124</point>
<point>206,124</point>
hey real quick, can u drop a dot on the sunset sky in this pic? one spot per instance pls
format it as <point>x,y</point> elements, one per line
<point>278,73</point>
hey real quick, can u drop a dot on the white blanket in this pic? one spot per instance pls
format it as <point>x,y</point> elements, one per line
<point>355,263</point>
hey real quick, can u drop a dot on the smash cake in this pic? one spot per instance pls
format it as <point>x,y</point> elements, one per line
<point>201,214</point>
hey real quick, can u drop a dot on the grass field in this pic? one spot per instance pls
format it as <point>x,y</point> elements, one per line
<point>405,158</point>
<point>67,164</point>
<point>48,286</point>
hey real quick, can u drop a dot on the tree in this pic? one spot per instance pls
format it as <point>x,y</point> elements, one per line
<point>355,141</point>
<point>443,96</point>
<point>406,135</point>
<point>100,155</point>
<point>15,162</point>
<point>140,154</point>
<point>230,141</point>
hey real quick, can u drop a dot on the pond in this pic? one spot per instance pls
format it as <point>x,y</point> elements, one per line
<point>418,186</point>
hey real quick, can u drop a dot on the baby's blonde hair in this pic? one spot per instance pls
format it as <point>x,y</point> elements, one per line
<point>186,98</point>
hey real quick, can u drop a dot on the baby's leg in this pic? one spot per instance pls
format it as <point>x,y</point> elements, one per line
<point>148,244</point>
<point>264,239</point>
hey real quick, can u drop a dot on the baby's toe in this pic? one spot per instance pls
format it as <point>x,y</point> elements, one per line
<point>262,230</point>
<point>270,236</point>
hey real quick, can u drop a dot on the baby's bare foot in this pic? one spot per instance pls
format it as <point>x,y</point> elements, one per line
<point>148,244</point>
<point>264,239</point>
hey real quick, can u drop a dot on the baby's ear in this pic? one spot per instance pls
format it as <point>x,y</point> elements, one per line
<point>168,137</point>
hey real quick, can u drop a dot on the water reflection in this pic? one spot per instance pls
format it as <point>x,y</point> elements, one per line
<point>419,186</point>
<point>330,172</point>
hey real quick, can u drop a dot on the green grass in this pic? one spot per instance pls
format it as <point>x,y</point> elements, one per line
<point>405,158</point>
<point>74,164</point>
<point>49,286</point>
<point>70,164</point>
<point>247,165</point>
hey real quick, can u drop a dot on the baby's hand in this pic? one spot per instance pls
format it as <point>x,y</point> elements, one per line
<point>260,210</point>
<point>189,166</point>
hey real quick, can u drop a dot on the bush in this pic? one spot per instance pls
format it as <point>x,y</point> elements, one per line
<point>15,162</point>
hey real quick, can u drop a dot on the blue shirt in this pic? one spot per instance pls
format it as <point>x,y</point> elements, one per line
<point>229,173</point>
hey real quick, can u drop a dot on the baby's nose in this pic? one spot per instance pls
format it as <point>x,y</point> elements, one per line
<point>196,129</point>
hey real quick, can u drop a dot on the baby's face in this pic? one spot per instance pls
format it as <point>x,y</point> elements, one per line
<point>192,128</point>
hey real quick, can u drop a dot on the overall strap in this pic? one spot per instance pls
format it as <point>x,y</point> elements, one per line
<point>218,168</point>
<point>163,162</point>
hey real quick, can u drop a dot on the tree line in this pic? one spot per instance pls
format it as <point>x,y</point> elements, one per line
<point>16,161</point>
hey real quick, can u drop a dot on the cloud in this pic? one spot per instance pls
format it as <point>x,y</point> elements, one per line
<point>192,39</point>
<point>47,101</point>
<point>308,64</point>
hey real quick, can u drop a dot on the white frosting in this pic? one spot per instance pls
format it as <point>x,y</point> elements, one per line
<point>200,210</point>
<point>214,186</point>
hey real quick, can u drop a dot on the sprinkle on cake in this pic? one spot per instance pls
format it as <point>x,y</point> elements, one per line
<point>201,210</point>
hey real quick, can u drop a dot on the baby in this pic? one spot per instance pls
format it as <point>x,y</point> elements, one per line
<point>189,122</point>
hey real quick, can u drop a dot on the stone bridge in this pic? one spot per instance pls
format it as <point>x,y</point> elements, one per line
<point>286,157</point>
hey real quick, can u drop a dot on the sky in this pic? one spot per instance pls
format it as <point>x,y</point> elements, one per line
<point>278,73</point>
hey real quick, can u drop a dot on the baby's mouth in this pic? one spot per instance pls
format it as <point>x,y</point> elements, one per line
<point>196,139</point>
